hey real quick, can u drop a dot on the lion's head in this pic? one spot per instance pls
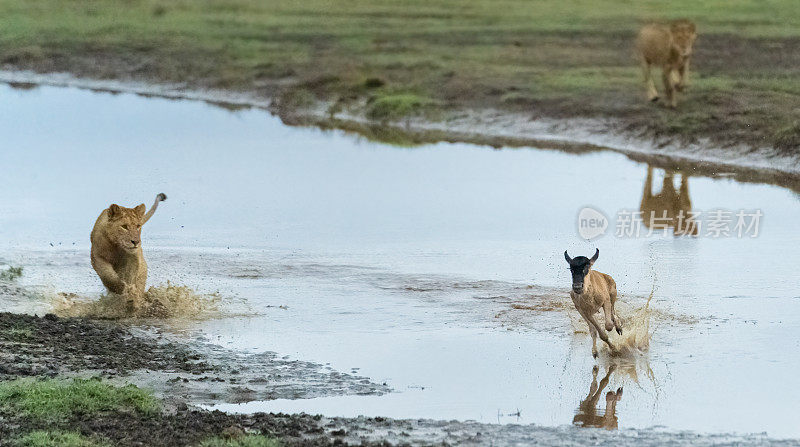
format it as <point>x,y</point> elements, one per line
<point>125,226</point>
<point>684,33</point>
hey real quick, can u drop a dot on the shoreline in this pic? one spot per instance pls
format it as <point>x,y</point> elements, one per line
<point>42,342</point>
<point>490,127</point>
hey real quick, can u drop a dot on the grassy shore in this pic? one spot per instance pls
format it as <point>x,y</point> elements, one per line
<point>391,59</point>
<point>93,413</point>
<point>67,382</point>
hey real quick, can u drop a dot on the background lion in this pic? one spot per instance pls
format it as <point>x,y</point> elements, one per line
<point>117,250</point>
<point>669,47</point>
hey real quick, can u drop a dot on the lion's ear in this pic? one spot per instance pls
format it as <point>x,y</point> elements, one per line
<point>140,210</point>
<point>113,211</point>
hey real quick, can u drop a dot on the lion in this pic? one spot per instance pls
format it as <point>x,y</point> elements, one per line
<point>669,47</point>
<point>117,250</point>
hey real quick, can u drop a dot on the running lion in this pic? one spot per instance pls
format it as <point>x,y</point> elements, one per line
<point>117,250</point>
<point>669,47</point>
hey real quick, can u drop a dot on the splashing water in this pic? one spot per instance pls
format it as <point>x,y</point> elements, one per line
<point>162,301</point>
<point>636,334</point>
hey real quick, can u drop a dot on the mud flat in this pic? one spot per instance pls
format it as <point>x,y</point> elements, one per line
<point>50,346</point>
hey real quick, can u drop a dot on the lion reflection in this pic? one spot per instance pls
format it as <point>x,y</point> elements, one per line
<point>587,414</point>
<point>670,208</point>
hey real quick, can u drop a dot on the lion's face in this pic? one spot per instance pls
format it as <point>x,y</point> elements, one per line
<point>125,226</point>
<point>684,34</point>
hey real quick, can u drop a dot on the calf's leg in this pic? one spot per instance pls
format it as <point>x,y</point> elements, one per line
<point>593,333</point>
<point>614,317</point>
<point>608,314</point>
<point>603,336</point>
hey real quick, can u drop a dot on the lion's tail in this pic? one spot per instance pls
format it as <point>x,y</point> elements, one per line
<point>159,198</point>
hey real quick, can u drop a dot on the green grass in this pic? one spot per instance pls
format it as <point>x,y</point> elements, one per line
<point>56,400</point>
<point>788,137</point>
<point>245,441</point>
<point>10,274</point>
<point>17,334</point>
<point>42,438</point>
<point>390,107</point>
<point>560,58</point>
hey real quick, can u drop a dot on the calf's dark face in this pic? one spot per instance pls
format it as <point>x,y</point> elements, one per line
<point>579,269</point>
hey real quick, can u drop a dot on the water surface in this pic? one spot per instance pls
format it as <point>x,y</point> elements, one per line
<point>412,265</point>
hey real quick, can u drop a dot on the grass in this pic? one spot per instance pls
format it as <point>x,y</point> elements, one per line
<point>788,137</point>
<point>49,413</point>
<point>407,57</point>
<point>395,106</point>
<point>42,438</point>
<point>245,441</point>
<point>19,334</point>
<point>58,400</point>
<point>10,274</point>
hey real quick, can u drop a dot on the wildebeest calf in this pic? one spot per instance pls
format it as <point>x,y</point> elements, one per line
<point>592,290</point>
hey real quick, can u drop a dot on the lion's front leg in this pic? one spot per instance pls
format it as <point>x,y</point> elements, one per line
<point>669,89</point>
<point>110,278</point>
<point>133,298</point>
<point>683,76</point>
<point>136,295</point>
<point>652,93</point>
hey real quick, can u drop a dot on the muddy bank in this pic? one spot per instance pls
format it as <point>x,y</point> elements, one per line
<point>486,126</point>
<point>49,346</point>
<point>187,427</point>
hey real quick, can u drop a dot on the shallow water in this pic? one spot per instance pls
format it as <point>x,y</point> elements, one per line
<point>437,269</point>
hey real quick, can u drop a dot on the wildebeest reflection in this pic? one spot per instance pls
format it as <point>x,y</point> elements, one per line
<point>587,414</point>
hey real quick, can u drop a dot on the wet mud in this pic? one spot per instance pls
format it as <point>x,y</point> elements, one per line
<point>52,346</point>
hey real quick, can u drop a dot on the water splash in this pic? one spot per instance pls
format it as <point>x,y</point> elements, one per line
<point>165,301</point>
<point>636,334</point>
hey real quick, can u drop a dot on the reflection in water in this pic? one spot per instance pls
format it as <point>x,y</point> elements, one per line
<point>669,208</point>
<point>23,85</point>
<point>587,416</point>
